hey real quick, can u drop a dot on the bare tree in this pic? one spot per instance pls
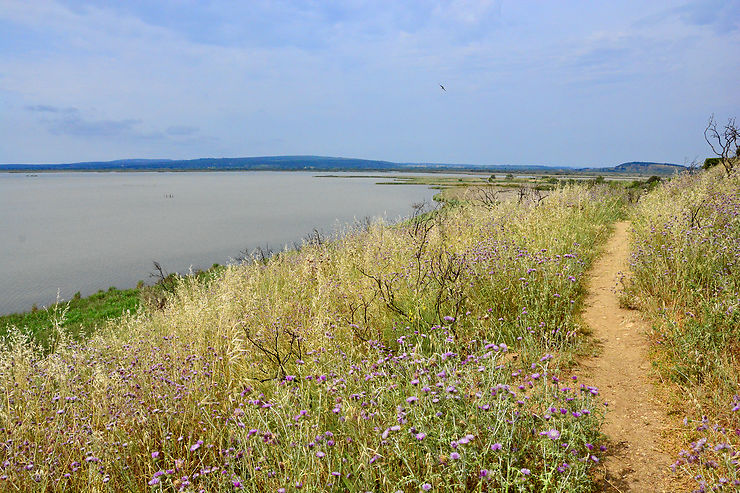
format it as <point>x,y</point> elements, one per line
<point>158,273</point>
<point>724,141</point>
<point>692,166</point>
<point>165,284</point>
<point>278,345</point>
<point>315,238</point>
<point>385,287</point>
<point>447,270</point>
<point>359,313</point>
<point>487,196</point>
<point>522,192</point>
<point>258,255</point>
<point>538,196</point>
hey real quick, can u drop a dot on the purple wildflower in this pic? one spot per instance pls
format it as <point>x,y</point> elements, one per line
<point>552,434</point>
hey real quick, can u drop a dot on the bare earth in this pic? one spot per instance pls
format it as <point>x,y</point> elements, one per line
<point>635,418</point>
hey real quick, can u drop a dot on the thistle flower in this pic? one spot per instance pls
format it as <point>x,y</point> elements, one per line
<point>552,434</point>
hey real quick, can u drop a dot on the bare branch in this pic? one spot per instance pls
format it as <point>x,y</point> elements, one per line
<point>724,142</point>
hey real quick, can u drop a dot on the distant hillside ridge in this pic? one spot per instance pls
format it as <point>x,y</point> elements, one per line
<point>642,168</point>
<point>205,164</point>
<point>323,163</point>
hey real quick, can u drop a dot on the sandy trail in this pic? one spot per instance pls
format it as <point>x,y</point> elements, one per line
<point>635,461</point>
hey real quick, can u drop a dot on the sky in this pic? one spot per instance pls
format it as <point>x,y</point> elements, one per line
<point>566,83</point>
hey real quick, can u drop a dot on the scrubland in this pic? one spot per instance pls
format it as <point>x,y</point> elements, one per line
<point>437,354</point>
<point>686,277</point>
<point>432,355</point>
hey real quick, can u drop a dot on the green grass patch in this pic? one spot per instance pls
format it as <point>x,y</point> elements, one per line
<point>83,314</point>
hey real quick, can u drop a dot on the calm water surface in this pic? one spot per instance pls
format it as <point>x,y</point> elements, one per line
<point>88,231</point>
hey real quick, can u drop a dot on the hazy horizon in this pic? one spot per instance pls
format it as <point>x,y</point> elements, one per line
<point>414,163</point>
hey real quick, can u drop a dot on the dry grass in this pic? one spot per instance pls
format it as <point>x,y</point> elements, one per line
<point>372,361</point>
<point>686,276</point>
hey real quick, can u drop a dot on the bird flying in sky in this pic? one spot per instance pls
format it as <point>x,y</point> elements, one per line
<point>443,88</point>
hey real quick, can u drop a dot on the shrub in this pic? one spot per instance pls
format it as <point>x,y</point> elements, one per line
<point>686,276</point>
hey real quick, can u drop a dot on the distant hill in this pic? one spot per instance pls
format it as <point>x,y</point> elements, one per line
<point>238,163</point>
<point>322,163</point>
<point>641,168</point>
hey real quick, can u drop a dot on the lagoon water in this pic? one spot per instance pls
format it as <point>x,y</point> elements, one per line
<point>69,232</point>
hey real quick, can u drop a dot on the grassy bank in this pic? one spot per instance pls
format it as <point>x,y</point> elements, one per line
<point>80,315</point>
<point>686,277</point>
<point>429,356</point>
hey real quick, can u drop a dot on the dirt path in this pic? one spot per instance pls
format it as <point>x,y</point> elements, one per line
<point>634,419</point>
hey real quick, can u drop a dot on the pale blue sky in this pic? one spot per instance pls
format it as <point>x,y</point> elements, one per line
<point>547,82</point>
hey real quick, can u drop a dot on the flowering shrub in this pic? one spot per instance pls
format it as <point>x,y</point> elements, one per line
<point>713,459</point>
<point>686,275</point>
<point>372,362</point>
<point>686,271</point>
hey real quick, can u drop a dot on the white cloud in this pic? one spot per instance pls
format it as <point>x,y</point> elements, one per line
<point>355,78</point>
